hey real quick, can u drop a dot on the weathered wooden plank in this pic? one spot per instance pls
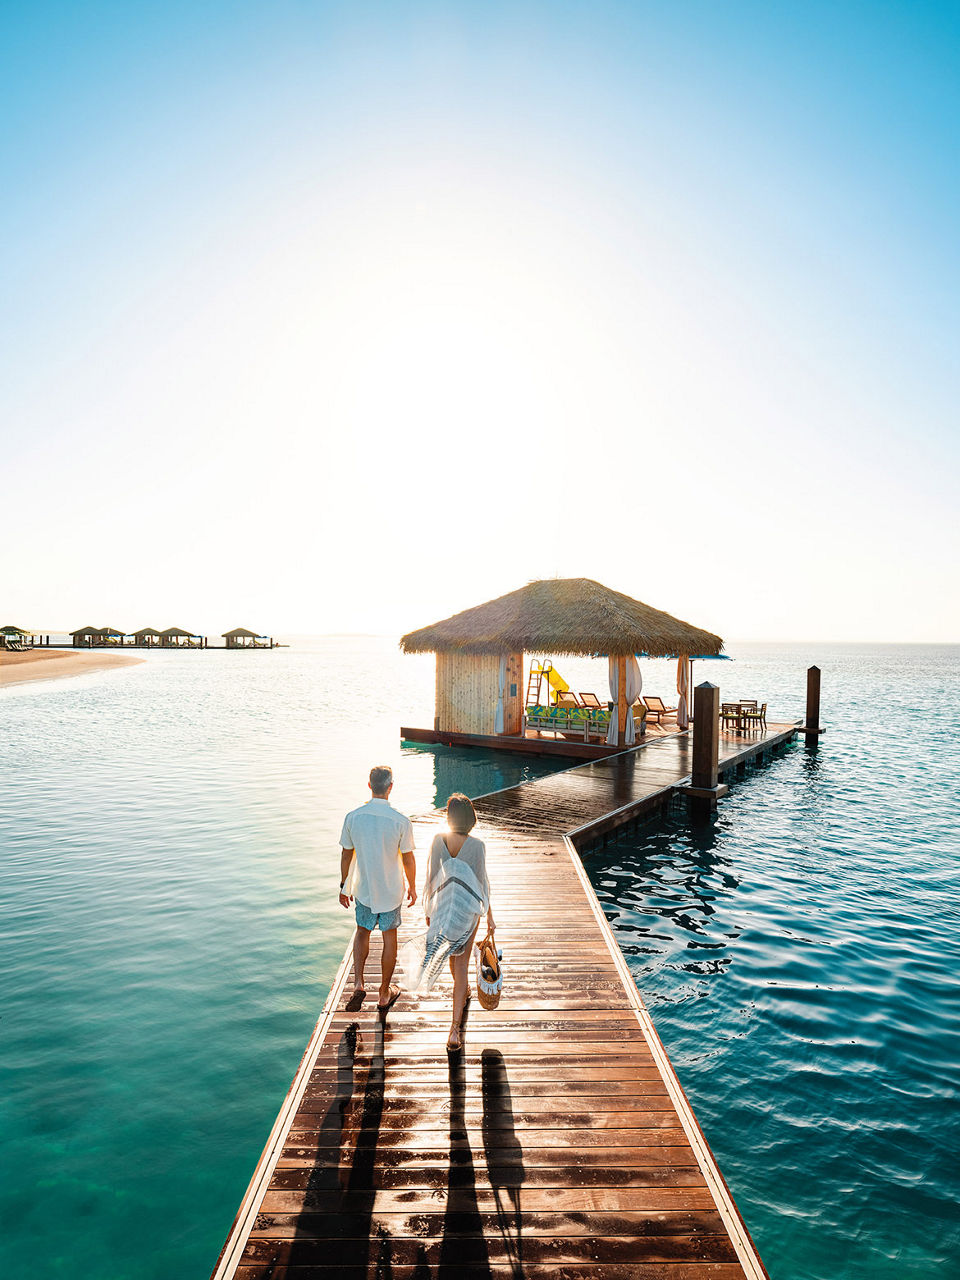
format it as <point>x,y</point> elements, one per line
<point>463,1217</point>
<point>489,1270</point>
<point>637,1157</point>
<point>461,1249</point>
<point>552,1173</point>
<point>534,1199</point>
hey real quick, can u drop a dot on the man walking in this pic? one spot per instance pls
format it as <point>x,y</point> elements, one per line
<point>376,852</point>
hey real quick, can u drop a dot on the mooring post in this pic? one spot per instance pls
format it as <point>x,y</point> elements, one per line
<point>704,789</point>
<point>811,724</point>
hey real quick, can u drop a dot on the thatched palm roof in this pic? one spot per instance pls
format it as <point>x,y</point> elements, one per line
<point>147,631</point>
<point>13,631</point>
<point>172,632</point>
<point>563,616</point>
<point>241,631</point>
<point>86,631</point>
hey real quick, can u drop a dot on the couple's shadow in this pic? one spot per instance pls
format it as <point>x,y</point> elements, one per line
<point>351,1160</point>
<point>503,1157</point>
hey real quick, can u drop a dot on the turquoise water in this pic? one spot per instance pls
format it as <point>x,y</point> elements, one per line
<point>169,929</point>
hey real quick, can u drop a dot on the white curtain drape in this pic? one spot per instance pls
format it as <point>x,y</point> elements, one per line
<point>501,686</point>
<point>684,685</point>
<point>634,685</point>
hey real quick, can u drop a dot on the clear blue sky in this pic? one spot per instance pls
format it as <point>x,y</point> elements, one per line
<point>662,294</point>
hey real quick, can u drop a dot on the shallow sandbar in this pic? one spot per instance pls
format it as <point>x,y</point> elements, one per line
<point>51,664</point>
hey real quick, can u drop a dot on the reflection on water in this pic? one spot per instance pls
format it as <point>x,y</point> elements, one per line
<point>663,897</point>
<point>476,771</point>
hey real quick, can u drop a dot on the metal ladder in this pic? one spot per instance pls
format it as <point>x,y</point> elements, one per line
<point>535,678</point>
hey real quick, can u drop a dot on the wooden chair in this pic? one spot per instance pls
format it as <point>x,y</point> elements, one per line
<point>568,700</point>
<point>592,701</point>
<point>730,714</point>
<point>656,707</point>
<point>754,717</point>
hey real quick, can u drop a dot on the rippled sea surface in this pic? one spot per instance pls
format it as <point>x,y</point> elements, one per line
<point>169,930</point>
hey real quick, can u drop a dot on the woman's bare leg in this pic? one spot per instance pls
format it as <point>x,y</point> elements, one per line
<point>460,966</point>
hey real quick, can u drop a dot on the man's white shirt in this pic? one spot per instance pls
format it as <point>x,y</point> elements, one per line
<point>379,834</point>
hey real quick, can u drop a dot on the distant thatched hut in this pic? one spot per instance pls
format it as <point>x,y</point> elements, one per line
<point>15,637</point>
<point>241,638</point>
<point>147,637</point>
<point>86,637</point>
<point>480,651</point>
<point>177,638</point>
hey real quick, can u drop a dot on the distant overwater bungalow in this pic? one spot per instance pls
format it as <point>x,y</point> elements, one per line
<point>241,638</point>
<point>151,638</point>
<point>177,638</point>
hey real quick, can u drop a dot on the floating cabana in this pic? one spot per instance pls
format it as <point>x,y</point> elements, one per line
<point>87,636</point>
<point>241,638</point>
<point>480,697</point>
<point>147,637</point>
<point>177,638</point>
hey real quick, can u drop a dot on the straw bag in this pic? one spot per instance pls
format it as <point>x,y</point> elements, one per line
<point>489,972</point>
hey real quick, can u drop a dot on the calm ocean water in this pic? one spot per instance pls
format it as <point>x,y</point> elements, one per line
<point>169,929</point>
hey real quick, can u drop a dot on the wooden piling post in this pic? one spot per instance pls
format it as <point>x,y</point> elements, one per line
<point>811,724</point>
<point>621,702</point>
<point>705,789</point>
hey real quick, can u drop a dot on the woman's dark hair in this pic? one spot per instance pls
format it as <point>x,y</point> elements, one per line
<point>461,815</point>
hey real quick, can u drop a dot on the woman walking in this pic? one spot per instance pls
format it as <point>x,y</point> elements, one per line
<point>456,894</point>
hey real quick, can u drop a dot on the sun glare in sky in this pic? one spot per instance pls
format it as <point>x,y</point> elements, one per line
<point>331,318</point>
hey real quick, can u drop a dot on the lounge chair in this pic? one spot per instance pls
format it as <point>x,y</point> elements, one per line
<point>592,701</point>
<point>656,707</point>
<point>567,700</point>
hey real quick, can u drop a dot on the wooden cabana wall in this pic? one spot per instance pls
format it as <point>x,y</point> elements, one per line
<point>467,691</point>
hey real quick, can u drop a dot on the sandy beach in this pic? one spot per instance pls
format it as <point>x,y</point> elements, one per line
<point>51,664</point>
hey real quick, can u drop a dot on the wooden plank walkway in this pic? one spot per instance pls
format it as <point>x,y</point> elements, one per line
<point>589,799</point>
<point>559,1143</point>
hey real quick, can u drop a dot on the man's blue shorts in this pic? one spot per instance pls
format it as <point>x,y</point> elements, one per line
<point>382,920</point>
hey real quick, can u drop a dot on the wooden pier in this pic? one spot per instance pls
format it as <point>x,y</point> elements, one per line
<point>559,1142</point>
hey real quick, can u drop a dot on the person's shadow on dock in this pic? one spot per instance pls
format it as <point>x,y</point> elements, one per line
<point>325,1175</point>
<point>503,1153</point>
<point>463,1245</point>
<point>348,1133</point>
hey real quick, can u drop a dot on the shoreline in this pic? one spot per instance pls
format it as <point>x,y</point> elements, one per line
<point>56,664</point>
